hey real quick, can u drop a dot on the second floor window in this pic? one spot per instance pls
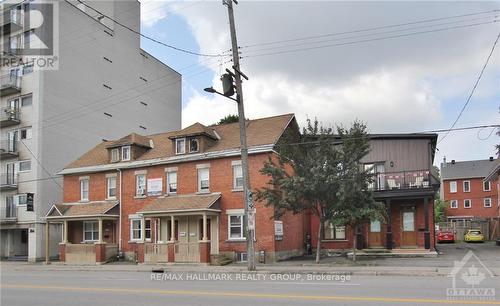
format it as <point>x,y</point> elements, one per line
<point>140,185</point>
<point>180,146</point>
<point>487,202</point>
<point>171,182</point>
<point>466,186</point>
<point>84,190</point>
<point>126,153</point>
<point>467,204</point>
<point>486,186</point>
<point>237,177</point>
<point>453,187</point>
<point>203,180</point>
<point>25,166</point>
<point>453,204</point>
<point>111,194</point>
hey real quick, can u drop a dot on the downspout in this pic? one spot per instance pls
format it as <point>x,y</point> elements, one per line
<point>120,215</point>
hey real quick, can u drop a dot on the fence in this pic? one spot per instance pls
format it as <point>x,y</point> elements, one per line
<point>488,227</point>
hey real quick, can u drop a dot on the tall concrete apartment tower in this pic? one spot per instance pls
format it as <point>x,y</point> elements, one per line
<point>103,86</point>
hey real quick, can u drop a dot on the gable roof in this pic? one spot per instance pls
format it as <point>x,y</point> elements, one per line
<point>195,129</point>
<point>260,132</point>
<point>495,171</point>
<point>467,169</point>
<point>183,203</point>
<point>131,139</point>
<point>75,210</point>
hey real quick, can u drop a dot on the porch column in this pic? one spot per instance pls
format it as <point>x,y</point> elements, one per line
<point>427,234</point>
<point>388,235</point>
<point>100,231</point>
<point>65,232</point>
<point>205,237</point>
<point>172,228</point>
<point>171,242</point>
<point>143,230</point>
<point>47,251</point>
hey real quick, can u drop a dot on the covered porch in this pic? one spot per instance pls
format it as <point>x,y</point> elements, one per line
<point>185,229</point>
<point>89,231</point>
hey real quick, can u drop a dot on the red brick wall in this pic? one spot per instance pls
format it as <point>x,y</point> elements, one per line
<point>221,180</point>
<point>476,195</point>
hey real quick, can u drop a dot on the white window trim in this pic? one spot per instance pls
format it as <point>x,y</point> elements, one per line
<point>463,186</point>
<point>107,187</point>
<point>19,166</point>
<point>82,199</point>
<point>451,204</point>
<point>137,185</point>
<point>168,182</point>
<point>93,230</point>
<point>132,230</point>
<point>234,177</point>
<point>489,185</point>
<point>199,180</point>
<point>179,140</point>
<point>242,227</point>
<point>117,153</point>
<point>484,203</point>
<point>150,229</point>
<point>197,145</point>
<point>453,183</point>
<point>124,148</point>
<point>470,203</point>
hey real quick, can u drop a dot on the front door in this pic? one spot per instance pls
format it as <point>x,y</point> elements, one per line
<point>375,234</point>
<point>187,247</point>
<point>408,232</point>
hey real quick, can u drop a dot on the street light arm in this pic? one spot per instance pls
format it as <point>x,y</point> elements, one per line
<point>212,90</point>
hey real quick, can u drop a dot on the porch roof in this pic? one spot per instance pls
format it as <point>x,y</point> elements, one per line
<point>84,210</point>
<point>183,203</point>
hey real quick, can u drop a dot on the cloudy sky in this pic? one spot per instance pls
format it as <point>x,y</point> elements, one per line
<point>398,66</point>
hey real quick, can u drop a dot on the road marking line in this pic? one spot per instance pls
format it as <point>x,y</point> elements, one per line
<point>251,294</point>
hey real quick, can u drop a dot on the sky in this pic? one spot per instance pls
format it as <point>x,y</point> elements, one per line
<point>398,66</point>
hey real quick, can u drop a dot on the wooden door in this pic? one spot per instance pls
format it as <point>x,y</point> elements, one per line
<point>187,247</point>
<point>408,231</point>
<point>375,234</point>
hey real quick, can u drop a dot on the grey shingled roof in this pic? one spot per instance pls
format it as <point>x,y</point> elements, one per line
<point>467,169</point>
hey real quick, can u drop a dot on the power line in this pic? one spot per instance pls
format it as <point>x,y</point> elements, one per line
<point>40,164</point>
<point>368,29</point>
<point>145,36</point>
<point>473,88</point>
<point>368,40</point>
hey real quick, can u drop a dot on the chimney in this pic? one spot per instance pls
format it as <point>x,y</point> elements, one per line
<point>491,158</point>
<point>452,161</point>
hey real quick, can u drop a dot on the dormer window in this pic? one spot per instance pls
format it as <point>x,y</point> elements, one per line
<point>115,155</point>
<point>193,145</point>
<point>126,153</point>
<point>180,146</point>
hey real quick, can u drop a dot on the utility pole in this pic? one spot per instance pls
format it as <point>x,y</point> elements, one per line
<point>249,207</point>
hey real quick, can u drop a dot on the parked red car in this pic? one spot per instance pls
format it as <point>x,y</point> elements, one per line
<point>446,236</point>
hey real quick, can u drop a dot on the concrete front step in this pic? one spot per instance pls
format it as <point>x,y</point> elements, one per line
<point>394,254</point>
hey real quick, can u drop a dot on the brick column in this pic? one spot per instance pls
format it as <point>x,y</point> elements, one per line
<point>140,252</point>
<point>100,253</point>
<point>171,251</point>
<point>62,252</point>
<point>205,251</point>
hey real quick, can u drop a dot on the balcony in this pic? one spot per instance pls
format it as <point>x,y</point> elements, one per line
<point>8,181</point>
<point>10,84</point>
<point>11,21</point>
<point>404,182</point>
<point>8,213</point>
<point>9,116</point>
<point>8,149</point>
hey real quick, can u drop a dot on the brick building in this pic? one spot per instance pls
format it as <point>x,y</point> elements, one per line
<point>468,195</point>
<point>173,197</point>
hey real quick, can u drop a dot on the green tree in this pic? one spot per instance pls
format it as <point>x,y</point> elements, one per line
<point>440,210</point>
<point>229,119</point>
<point>321,173</point>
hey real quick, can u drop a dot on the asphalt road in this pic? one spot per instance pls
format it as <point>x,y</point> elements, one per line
<point>137,288</point>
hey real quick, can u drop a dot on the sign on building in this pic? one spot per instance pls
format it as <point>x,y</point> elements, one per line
<point>155,186</point>
<point>278,230</point>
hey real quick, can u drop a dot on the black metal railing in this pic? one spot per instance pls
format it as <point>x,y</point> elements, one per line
<point>414,179</point>
<point>10,113</point>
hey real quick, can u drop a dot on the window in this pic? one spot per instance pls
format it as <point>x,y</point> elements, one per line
<point>237,177</point>
<point>115,155</point>
<point>140,185</point>
<point>27,100</point>
<point>467,204</point>
<point>193,145</point>
<point>203,180</point>
<point>28,37</point>
<point>453,187</point>
<point>466,186</point>
<point>111,187</point>
<point>180,146</point>
<point>332,232</point>
<point>171,182</point>
<point>28,68</point>
<point>90,231</point>
<point>84,190</point>
<point>486,186</point>
<point>147,229</point>
<point>25,166</point>
<point>487,202</point>
<point>236,227</point>
<point>21,199</point>
<point>453,204</point>
<point>135,229</point>
<point>126,153</point>
<point>25,134</point>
